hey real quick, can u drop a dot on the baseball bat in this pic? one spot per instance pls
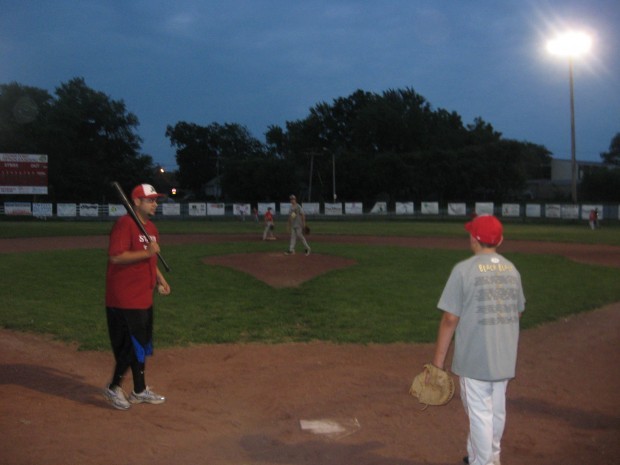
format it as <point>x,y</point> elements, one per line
<point>134,216</point>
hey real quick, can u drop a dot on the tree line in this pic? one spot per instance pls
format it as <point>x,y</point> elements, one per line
<point>392,146</point>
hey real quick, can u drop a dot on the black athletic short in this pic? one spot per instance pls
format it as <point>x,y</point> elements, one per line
<point>131,333</point>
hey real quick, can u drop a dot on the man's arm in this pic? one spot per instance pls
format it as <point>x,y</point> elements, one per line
<point>133,256</point>
<point>161,281</point>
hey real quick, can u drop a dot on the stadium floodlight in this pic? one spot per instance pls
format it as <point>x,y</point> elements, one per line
<point>571,45</point>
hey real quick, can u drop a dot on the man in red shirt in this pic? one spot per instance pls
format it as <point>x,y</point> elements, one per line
<point>268,231</point>
<point>594,218</point>
<point>131,277</point>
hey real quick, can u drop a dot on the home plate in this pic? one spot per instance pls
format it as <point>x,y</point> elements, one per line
<point>330,427</point>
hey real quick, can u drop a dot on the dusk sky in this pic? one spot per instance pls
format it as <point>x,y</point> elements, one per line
<point>264,62</point>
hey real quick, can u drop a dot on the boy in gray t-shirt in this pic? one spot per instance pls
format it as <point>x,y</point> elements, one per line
<point>482,303</point>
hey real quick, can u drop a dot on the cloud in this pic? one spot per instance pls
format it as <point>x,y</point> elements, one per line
<point>180,24</point>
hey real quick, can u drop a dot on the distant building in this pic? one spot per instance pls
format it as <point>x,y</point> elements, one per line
<point>213,188</point>
<point>558,185</point>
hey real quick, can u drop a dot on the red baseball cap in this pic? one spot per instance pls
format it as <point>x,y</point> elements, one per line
<point>486,229</point>
<point>145,191</point>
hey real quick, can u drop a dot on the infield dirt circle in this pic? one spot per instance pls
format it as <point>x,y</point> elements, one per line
<point>315,403</point>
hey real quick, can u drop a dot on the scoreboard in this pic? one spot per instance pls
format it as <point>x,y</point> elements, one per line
<point>23,173</point>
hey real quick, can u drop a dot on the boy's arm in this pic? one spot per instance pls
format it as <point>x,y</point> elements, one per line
<point>447,327</point>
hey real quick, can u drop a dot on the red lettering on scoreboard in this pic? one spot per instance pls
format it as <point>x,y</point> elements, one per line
<point>23,173</point>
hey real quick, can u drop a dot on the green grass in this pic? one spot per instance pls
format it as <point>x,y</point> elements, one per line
<point>390,295</point>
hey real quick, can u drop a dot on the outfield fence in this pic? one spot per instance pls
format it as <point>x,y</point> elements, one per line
<point>337,211</point>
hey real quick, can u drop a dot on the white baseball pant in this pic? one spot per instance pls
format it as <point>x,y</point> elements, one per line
<point>485,405</point>
<point>297,233</point>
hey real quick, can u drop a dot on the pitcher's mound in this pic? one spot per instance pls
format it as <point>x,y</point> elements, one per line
<point>279,270</point>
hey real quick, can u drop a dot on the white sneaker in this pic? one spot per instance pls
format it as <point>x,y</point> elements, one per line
<point>116,397</point>
<point>147,396</point>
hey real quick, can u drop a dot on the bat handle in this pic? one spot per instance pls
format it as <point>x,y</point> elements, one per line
<point>163,262</point>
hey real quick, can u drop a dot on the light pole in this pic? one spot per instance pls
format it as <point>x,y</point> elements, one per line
<point>334,176</point>
<point>310,181</point>
<point>571,45</point>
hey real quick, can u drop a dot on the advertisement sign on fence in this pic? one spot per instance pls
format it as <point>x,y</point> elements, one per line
<point>116,209</point>
<point>263,206</point>
<point>429,208</point>
<point>353,208</point>
<point>42,210</point>
<point>587,208</point>
<point>66,209</point>
<point>379,208</point>
<point>197,209</point>
<point>217,209</point>
<point>484,208</point>
<point>511,209</point>
<point>457,209</point>
<point>532,210</point>
<point>89,209</point>
<point>171,209</point>
<point>311,208</point>
<point>333,208</point>
<point>404,208</point>
<point>241,209</point>
<point>553,211</point>
<point>570,212</point>
<point>18,208</point>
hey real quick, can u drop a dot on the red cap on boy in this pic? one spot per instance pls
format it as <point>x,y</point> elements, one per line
<point>486,229</point>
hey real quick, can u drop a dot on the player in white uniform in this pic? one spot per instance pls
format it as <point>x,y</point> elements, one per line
<point>296,225</point>
<point>482,303</point>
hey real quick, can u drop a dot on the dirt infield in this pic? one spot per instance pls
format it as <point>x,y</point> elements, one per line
<point>599,254</point>
<point>315,403</point>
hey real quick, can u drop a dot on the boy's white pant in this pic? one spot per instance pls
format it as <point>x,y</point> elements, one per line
<point>485,405</point>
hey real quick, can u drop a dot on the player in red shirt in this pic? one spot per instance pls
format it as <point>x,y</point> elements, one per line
<point>131,277</point>
<point>269,225</point>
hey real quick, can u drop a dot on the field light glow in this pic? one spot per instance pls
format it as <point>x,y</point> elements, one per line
<point>570,44</point>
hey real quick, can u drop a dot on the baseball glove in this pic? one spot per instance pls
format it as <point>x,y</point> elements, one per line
<point>306,230</point>
<point>271,227</point>
<point>437,391</point>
